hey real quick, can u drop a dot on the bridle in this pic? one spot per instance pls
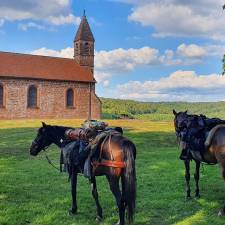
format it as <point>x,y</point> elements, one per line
<point>35,142</point>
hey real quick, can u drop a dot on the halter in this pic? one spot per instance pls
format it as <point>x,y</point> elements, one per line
<point>47,157</point>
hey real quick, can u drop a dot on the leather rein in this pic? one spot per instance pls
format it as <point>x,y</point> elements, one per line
<point>48,159</point>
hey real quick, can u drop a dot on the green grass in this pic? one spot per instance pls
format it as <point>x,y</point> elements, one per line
<point>32,192</point>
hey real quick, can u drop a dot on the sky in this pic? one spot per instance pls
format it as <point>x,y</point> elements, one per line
<point>145,50</point>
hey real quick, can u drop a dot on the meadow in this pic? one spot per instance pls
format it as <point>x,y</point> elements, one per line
<point>32,192</point>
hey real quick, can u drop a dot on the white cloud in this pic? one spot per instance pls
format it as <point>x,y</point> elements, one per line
<point>199,51</point>
<point>126,59</point>
<point>2,22</point>
<point>55,12</point>
<point>105,83</point>
<point>102,76</point>
<point>26,26</point>
<point>178,86</point>
<point>64,53</point>
<point>191,50</point>
<point>60,20</point>
<point>203,18</point>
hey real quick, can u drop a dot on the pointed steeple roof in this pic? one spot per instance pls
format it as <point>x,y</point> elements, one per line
<point>84,31</point>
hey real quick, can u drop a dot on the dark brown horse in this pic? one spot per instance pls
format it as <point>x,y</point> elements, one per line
<point>114,148</point>
<point>214,150</point>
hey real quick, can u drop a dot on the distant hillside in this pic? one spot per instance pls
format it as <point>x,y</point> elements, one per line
<point>116,108</point>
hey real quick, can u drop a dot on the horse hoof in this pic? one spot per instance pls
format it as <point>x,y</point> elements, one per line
<point>72,212</point>
<point>221,213</point>
<point>118,223</point>
<point>98,219</point>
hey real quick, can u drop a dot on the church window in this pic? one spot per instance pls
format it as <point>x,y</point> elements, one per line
<point>69,98</point>
<point>1,96</point>
<point>32,96</point>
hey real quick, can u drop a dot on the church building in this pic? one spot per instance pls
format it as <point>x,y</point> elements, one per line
<point>33,86</point>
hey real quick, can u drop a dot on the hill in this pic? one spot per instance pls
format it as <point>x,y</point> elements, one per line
<point>117,108</point>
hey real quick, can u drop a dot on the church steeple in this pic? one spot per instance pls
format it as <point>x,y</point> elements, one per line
<point>84,45</point>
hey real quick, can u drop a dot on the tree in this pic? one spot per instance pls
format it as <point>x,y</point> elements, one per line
<point>223,72</point>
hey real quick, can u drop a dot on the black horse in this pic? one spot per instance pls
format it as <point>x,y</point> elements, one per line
<point>118,150</point>
<point>191,131</point>
<point>180,121</point>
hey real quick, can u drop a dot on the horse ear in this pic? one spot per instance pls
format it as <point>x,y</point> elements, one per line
<point>174,112</point>
<point>44,124</point>
<point>185,112</point>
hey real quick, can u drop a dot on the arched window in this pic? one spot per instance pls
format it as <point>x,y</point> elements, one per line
<point>1,96</point>
<point>69,97</point>
<point>32,96</point>
<point>86,48</point>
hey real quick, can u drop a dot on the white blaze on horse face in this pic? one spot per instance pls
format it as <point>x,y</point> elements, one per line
<point>61,140</point>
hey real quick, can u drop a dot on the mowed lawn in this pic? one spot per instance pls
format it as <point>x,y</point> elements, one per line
<point>32,192</point>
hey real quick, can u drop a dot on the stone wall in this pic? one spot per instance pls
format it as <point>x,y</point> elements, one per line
<point>51,100</point>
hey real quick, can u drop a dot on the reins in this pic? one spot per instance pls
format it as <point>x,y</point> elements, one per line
<point>50,161</point>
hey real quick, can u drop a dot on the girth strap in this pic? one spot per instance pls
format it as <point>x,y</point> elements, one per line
<point>109,163</point>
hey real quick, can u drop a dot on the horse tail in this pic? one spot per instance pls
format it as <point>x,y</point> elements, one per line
<point>129,178</point>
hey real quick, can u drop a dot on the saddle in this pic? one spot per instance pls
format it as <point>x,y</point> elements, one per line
<point>199,130</point>
<point>81,152</point>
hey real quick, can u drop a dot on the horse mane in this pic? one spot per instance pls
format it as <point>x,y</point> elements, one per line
<point>59,130</point>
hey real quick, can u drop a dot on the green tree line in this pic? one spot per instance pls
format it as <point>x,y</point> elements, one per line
<point>117,108</point>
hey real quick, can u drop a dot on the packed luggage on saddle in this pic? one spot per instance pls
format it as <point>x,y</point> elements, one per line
<point>194,134</point>
<point>83,145</point>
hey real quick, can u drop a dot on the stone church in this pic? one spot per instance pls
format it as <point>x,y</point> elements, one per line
<point>33,86</point>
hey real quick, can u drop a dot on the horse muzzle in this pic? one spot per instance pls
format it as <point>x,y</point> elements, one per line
<point>34,149</point>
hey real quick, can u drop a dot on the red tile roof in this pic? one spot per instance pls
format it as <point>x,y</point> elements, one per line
<point>42,67</point>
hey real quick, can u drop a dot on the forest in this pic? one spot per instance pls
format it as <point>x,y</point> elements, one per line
<point>120,109</point>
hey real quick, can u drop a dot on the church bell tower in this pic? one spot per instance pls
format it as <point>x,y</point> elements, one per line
<point>84,45</point>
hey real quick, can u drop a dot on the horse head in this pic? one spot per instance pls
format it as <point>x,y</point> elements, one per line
<point>42,140</point>
<point>180,120</point>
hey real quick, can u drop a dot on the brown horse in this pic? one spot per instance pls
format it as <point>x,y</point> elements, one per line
<point>214,150</point>
<point>118,163</point>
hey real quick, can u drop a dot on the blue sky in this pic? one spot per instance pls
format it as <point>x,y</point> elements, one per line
<point>147,50</point>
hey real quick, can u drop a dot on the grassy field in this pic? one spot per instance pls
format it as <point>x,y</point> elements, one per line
<point>32,192</point>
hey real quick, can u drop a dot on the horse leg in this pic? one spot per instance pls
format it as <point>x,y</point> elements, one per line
<point>196,176</point>
<point>114,186</point>
<point>73,209</point>
<point>95,196</point>
<point>222,211</point>
<point>187,178</point>
<point>123,190</point>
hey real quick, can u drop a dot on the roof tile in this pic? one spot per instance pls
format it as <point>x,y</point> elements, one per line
<point>42,67</point>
